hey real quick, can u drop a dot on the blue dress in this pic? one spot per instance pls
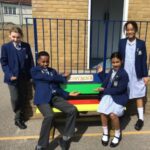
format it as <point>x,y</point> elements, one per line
<point>107,104</point>
<point>136,87</point>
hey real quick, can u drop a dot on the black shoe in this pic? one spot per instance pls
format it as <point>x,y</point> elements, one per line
<point>20,124</point>
<point>64,144</point>
<point>105,143</point>
<point>116,144</point>
<point>139,124</point>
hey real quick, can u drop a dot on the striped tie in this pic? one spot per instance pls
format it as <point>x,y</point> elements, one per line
<point>18,46</point>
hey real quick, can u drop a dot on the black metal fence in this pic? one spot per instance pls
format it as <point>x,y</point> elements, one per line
<point>78,46</point>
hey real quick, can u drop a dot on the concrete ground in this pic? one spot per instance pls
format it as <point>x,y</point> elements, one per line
<point>87,135</point>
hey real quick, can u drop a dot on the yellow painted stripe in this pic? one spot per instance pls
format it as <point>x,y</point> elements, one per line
<point>82,107</point>
<point>18,138</point>
<point>84,135</point>
<point>124,133</point>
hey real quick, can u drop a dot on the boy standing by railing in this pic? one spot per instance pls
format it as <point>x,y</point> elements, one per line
<point>16,61</point>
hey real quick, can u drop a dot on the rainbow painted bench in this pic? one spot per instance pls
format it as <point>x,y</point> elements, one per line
<point>88,99</point>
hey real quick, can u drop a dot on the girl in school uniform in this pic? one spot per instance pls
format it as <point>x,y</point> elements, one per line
<point>133,52</point>
<point>114,98</point>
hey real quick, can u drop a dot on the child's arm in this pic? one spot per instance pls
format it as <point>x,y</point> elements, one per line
<point>38,75</point>
<point>101,73</point>
<point>122,86</point>
<point>4,64</point>
<point>67,94</point>
<point>145,70</point>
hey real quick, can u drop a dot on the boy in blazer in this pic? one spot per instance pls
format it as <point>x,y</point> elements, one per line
<point>47,94</point>
<point>114,98</point>
<point>133,52</point>
<point>16,62</point>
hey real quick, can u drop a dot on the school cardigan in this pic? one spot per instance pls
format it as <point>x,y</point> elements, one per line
<point>14,63</point>
<point>45,84</point>
<point>118,87</point>
<point>140,56</point>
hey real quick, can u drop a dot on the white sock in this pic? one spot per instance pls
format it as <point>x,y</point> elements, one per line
<point>141,113</point>
<point>117,134</point>
<point>105,131</point>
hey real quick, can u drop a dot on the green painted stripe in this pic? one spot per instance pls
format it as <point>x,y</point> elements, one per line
<point>82,88</point>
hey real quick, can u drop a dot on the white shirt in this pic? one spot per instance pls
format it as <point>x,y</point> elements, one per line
<point>17,45</point>
<point>113,74</point>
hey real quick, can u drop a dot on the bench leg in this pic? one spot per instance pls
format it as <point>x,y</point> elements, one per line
<point>52,133</point>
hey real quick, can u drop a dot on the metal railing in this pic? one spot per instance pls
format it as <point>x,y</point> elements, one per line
<point>76,45</point>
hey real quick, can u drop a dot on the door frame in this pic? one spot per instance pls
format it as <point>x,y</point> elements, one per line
<point>124,18</point>
<point>125,15</point>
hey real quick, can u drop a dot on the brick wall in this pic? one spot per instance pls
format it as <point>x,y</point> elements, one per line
<point>140,10</point>
<point>60,9</point>
<point>63,10</point>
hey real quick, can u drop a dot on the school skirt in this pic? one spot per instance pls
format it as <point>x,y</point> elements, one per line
<point>136,87</point>
<point>108,106</point>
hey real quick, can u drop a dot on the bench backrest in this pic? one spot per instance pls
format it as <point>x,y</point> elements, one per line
<point>83,83</point>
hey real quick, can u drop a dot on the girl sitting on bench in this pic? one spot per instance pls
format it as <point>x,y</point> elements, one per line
<point>114,98</point>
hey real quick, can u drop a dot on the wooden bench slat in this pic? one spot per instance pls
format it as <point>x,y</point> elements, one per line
<point>83,88</point>
<point>85,101</point>
<point>80,108</point>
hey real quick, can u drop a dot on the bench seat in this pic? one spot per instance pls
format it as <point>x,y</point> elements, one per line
<point>81,105</point>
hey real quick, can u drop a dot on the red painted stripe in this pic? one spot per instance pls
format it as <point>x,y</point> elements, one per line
<point>85,101</point>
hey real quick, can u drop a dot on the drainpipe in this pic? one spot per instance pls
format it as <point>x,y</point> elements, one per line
<point>2,20</point>
<point>20,13</point>
<point>1,12</point>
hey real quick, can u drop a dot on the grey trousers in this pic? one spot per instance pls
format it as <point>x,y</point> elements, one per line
<point>18,95</point>
<point>46,110</point>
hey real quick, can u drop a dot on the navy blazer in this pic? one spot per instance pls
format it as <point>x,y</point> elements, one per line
<point>140,57</point>
<point>45,83</point>
<point>118,88</point>
<point>11,64</point>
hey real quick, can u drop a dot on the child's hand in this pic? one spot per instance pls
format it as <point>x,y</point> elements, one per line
<point>99,89</point>
<point>13,78</point>
<point>99,68</point>
<point>74,93</point>
<point>146,79</point>
<point>66,74</point>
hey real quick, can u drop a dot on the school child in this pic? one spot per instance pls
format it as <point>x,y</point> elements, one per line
<point>48,94</point>
<point>114,98</point>
<point>133,52</point>
<point>16,62</point>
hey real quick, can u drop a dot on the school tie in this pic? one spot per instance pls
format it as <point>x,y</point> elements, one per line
<point>110,79</point>
<point>18,46</point>
<point>46,71</point>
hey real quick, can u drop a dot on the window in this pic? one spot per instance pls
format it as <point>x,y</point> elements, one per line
<point>9,10</point>
<point>5,10</point>
<point>14,10</point>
